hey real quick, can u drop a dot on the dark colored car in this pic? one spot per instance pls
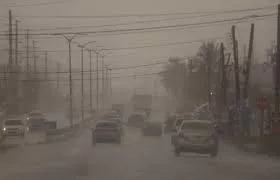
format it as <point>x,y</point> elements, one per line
<point>152,129</point>
<point>106,131</point>
<point>136,120</point>
<point>36,124</point>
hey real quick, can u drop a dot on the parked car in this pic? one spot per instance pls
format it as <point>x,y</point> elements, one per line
<point>106,131</point>
<point>196,136</point>
<point>152,129</point>
<point>14,127</point>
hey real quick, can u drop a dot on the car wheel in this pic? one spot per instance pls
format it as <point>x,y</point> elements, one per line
<point>177,151</point>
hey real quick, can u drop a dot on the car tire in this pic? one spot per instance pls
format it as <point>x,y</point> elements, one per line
<point>177,151</point>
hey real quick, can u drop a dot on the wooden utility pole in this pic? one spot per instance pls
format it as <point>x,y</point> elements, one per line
<point>27,52</point>
<point>236,65</point>
<point>277,74</point>
<point>224,77</point>
<point>10,42</point>
<point>97,83</point>
<point>90,80</point>
<point>249,62</point>
<point>57,75</point>
<point>46,66</point>
<point>16,47</point>
<point>34,58</point>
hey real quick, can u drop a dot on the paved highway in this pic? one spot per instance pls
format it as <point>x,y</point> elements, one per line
<point>137,158</point>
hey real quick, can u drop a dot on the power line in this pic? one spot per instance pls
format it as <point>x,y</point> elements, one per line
<point>116,69</point>
<point>42,3</point>
<point>141,47</point>
<point>155,15</point>
<point>152,28</point>
<point>156,30</point>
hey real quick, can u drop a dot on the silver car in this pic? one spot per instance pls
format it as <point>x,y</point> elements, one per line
<point>197,136</point>
<point>107,131</point>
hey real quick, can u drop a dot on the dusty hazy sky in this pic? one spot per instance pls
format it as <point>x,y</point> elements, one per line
<point>265,29</point>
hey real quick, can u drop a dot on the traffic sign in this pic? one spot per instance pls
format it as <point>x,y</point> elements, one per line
<point>262,103</point>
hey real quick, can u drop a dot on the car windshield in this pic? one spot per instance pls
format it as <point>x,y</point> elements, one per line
<point>196,126</point>
<point>106,125</point>
<point>136,118</point>
<point>13,122</point>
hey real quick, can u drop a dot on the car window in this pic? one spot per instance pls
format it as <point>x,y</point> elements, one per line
<point>196,126</point>
<point>13,122</point>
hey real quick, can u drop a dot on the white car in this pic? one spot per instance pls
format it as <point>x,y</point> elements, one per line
<point>14,127</point>
<point>196,136</point>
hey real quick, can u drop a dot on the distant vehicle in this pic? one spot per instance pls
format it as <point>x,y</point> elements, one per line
<point>36,114</point>
<point>142,103</point>
<point>14,127</point>
<point>136,120</point>
<point>106,131</point>
<point>152,129</point>
<point>119,109</point>
<point>36,123</point>
<point>196,136</point>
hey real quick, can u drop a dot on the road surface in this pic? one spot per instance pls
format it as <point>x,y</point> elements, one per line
<point>137,158</point>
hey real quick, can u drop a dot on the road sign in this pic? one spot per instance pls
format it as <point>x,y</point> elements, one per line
<point>262,103</point>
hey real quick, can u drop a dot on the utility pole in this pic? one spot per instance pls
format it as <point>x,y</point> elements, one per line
<point>27,52</point>
<point>97,83</point>
<point>69,40</point>
<point>102,67</point>
<point>249,61</point>
<point>82,88</point>
<point>57,75</point>
<point>224,78</point>
<point>90,79</point>
<point>34,58</point>
<point>10,42</point>
<point>236,66</point>
<point>10,91</point>
<point>107,83</point>
<point>46,66</point>
<point>277,74</point>
<point>16,48</point>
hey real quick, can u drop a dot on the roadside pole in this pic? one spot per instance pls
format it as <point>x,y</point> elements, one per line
<point>237,85</point>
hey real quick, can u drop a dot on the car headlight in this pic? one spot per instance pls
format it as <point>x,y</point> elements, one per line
<point>4,129</point>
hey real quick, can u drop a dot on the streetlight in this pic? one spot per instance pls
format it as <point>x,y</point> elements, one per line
<point>82,67</point>
<point>69,40</point>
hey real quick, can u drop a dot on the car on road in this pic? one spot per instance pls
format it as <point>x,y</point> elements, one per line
<point>37,123</point>
<point>152,129</point>
<point>106,131</point>
<point>137,119</point>
<point>14,127</point>
<point>197,136</point>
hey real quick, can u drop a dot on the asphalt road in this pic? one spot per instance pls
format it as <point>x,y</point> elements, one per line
<point>137,158</point>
